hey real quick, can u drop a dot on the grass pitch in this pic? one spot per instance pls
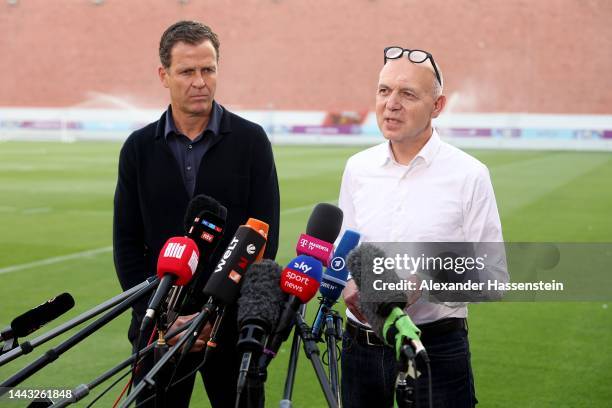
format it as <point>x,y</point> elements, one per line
<point>56,207</point>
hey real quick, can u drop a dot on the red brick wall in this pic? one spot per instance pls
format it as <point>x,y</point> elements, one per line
<point>538,56</point>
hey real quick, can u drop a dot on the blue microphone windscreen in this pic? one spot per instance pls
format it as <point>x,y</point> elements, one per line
<point>307,265</point>
<point>349,240</point>
<point>334,278</point>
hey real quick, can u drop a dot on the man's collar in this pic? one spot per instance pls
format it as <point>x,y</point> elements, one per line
<point>214,123</point>
<point>427,152</point>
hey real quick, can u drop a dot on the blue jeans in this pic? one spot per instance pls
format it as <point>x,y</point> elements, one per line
<point>369,373</point>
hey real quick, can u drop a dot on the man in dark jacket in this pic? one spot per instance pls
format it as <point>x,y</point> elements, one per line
<point>196,147</point>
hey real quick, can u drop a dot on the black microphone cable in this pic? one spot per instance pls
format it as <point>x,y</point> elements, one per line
<point>430,385</point>
<point>107,389</point>
<point>136,362</point>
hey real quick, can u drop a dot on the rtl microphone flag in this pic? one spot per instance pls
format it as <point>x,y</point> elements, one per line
<point>177,262</point>
<point>205,224</point>
<point>203,203</point>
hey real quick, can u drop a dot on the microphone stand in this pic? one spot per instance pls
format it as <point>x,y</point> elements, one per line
<point>292,367</point>
<point>212,342</point>
<point>27,346</point>
<point>82,390</point>
<point>304,332</point>
<point>405,394</point>
<point>55,352</point>
<point>333,333</point>
<point>148,381</point>
<point>160,349</point>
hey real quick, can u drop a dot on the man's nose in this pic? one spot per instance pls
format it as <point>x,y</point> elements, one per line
<point>199,81</point>
<point>393,103</point>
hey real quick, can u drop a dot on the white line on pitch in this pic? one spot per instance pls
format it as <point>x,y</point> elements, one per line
<point>38,210</point>
<point>303,208</point>
<point>55,259</point>
<point>77,255</point>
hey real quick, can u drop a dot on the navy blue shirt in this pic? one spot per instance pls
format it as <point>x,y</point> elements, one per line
<point>188,153</point>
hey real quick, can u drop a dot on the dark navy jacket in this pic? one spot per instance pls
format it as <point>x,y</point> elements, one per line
<point>151,198</point>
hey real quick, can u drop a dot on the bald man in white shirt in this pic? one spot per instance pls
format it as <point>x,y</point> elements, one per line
<point>414,187</point>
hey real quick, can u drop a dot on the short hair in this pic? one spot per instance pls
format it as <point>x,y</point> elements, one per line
<point>438,87</point>
<point>190,32</point>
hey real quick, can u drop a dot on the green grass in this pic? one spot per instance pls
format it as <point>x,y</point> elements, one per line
<point>56,199</point>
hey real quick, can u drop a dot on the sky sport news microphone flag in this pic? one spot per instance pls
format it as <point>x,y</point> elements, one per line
<point>34,319</point>
<point>314,249</point>
<point>384,311</point>
<point>259,308</point>
<point>177,262</point>
<point>334,278</point>
<point>300,280</point>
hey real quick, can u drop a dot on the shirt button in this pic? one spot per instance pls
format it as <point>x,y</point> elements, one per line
<point>190,147</point>
<point>188,168</point>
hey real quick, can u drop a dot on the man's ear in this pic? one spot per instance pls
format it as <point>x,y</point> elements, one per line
<point>163,76</point>
<point>439,105</point>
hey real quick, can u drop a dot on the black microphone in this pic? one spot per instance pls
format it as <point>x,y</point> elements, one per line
<point>223,286</point>
<point>321,231</point>
<point>34,319</point>
<point>200,203</point>
<point>382,310</point>
<point>224,283</point>
<point>259,308</point>
<point>204,224</point>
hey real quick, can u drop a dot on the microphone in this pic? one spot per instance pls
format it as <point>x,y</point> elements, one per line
<point>200,203</point>
<point>334,278</point>
<point>204,224</point>
<point>34,319</point>
<point>246,245</point>
<point>262,228</point>
<point>314,249</point>
<point>176,264</point>
<point>223,286</point>
<point>259,308</point>
<point>385,314</point>
<point>321,231</point>
<point>300,280</point>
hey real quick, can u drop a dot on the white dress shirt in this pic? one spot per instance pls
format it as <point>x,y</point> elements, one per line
<point>443,195</point>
